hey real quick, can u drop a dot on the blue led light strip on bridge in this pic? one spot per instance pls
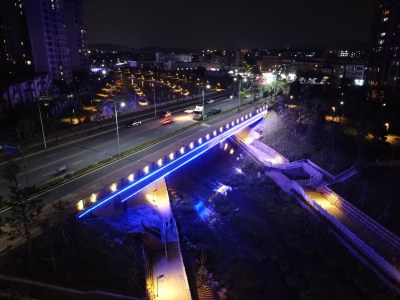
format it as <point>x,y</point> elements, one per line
<point>135,183</point>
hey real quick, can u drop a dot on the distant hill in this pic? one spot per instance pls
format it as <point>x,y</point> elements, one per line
<point>150,49</point>
<point>344,44</point>
<point>109,47</point>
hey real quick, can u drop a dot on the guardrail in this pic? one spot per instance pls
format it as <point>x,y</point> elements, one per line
<point>389,269</point>
<point>278,158</point>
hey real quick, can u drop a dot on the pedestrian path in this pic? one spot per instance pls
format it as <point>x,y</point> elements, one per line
<point>377,244</point>
<point>169,275</point>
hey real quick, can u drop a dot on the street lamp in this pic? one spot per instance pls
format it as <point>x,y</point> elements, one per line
<point>154,96</point>
<point>158,277</point>
<point>116,124</point>
<point>202,94</point>
<point>153,195</point>
<point>387,126</point>
<point>240,88</point>
<point>41,123</point>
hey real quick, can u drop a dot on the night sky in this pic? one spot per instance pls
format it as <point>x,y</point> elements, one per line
<point>227,24</point>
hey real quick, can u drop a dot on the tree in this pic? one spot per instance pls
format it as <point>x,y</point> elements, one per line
<point>10,172</point>
<point>23,215</point>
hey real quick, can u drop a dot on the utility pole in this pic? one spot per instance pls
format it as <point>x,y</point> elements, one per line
<point>154,97</point>
<point>202,95</point>
<point>116,124</point>
<point>41,123</point>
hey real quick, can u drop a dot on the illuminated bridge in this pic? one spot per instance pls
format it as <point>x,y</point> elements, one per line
<point>117,195</point>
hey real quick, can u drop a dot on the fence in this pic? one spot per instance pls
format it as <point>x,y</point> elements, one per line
<point>268,150</point>
<point>389,269</point>
<point>366,221</point>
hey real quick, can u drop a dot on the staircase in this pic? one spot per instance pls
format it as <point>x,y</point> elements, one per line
<point>173,250</point>
<point>346,174</point>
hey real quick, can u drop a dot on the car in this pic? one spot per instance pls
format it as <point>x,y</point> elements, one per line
<point>209,101</point>
<point>60,170</point>
<point>166,121</point>
<point>165,114</point>
<point>133,123</point>
<point>213,111</point>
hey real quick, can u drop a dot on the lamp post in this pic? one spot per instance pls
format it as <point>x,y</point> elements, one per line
<point>387,126</point>
<point>158,277</point>
<point>41,123</point>
<point>154,97</point>
<point>240,88</point>
<point>153,195</point>
<point>202,94</point>
<point>116,124</point>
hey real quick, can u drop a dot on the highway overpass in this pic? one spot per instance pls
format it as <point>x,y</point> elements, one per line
<point>113,197</point>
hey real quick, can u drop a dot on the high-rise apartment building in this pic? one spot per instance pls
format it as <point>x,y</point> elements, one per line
<point>384,61</point>
<point>46,35</point>
<point>76,35</point>
<point>15,46</point>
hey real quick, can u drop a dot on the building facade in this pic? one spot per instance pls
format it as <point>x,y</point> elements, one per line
<point>39,39</point>
<point>384,60</point>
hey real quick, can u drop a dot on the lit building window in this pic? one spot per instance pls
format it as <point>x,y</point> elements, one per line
<point>385,19</point>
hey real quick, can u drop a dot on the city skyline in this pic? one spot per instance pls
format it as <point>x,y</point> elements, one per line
<point>256,24</point>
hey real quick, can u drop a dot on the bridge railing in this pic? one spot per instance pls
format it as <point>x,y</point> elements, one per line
<point>389,269</point>
<point>271,152</point>
<point>366,221</point>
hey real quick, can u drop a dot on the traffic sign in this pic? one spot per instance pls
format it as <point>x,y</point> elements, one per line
<point>11,149</point>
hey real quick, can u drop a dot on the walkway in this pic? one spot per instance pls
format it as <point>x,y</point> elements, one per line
<point>392,256</point>
<point>172,283</point>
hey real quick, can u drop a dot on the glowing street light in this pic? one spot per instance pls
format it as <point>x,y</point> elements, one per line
<point>116,124</point>
<point>387,126</point>
<point>158,277</point>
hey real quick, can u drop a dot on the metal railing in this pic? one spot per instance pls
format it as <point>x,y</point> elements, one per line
<point>389,269</point>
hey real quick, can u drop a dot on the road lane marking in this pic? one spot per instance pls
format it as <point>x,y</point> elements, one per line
<point>123,145</point>
<point>77,162</point>
<point>98,140</point>
<point>51,155</point>
<point>102,153</point>
<point>49,173</point>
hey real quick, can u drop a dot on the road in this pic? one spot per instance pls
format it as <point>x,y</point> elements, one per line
<point>42,166</point>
